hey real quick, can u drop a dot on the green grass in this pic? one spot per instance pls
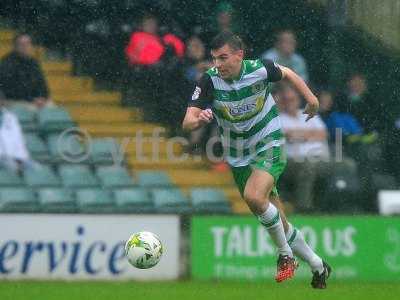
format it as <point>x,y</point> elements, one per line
<point>193,290</point>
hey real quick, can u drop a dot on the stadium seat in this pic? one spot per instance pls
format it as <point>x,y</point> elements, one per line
<point>150,179</point>
<point>41,176</point>
<point>18,200</point>
<point>95,201</point>
<point>37,147</point>
<point>8,178</point>
<point>54,119</point>
<point>170,200</point>
<point>132,200</point>
<point>56,200</point>
<point>114,176</point>
<point>77,176</point>
<point>64,148</point>
<point>343,190</point>
<point>105,151</point>
<point>209,200</point>
<point>26,117</point>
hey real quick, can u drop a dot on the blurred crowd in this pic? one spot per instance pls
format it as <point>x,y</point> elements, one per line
<point>340,153</point>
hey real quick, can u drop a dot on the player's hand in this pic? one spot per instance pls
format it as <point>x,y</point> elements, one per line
<point>206,116</point>
<point>311,110</point>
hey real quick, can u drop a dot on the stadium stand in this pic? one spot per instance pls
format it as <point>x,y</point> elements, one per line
<point>95,185</point>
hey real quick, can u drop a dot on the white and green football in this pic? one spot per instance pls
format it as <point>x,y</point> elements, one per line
<point>143,250</point>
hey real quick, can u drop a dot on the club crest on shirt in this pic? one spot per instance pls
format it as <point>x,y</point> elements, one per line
<point>196,93</point>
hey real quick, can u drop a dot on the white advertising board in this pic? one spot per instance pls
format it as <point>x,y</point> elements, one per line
<point>78,247</point>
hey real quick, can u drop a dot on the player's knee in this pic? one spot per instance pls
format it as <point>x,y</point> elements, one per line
<point>251,196</point>
<point>257,201</point>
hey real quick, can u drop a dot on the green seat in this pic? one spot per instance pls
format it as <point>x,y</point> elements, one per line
<point>18,200</point>
<point>66,148</point>
<point>8,178</point>
<point>114,176</point>
<point>56,200</point>
<point>26,117</point>
<point>77,176</point>
<point>103,151</point>
<point>54,119</point>
<point>133,200</point>
<point>150,179</point>
<point>209,200</point>
<point>37,147</point>
<point>170,200</point>
<point>41,176</point>
<point>95,201</point>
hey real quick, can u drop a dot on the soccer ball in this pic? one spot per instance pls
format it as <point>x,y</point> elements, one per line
<point>143,250</point>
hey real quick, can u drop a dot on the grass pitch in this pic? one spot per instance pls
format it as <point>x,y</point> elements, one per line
<point>194,290</point>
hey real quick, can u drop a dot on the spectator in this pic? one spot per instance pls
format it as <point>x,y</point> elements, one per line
<point>349,126</point>
<point>306,147</point>
<point>195,62</point>
<point>195,65</point>
<point>13,152</point>
<point>153,62</point>
<point>359,102</point>
<point>21,78</point>
<point>147,48</point>
<point>224,19</point>
<point>284,53</point>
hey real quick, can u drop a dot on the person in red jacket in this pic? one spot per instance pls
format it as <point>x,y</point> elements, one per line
<point>151,58</point>
<point>147,48</point>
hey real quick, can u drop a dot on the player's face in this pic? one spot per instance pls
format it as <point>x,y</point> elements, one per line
<point>228,61</point>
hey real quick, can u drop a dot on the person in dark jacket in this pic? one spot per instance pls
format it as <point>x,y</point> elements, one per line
<point>154,62</point>
<point>21,77</point>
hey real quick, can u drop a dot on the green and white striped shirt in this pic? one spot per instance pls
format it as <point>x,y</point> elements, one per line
<point>244,108</point>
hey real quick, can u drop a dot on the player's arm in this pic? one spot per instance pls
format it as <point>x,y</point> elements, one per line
<point>312,101</point>
<point>197,113</point>
<point>277,72</point>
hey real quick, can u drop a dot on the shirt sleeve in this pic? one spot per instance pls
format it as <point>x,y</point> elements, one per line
<point>274,73</point>
<point>202,96</point>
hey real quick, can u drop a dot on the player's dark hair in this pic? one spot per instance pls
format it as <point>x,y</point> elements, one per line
<point>227,38</point>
